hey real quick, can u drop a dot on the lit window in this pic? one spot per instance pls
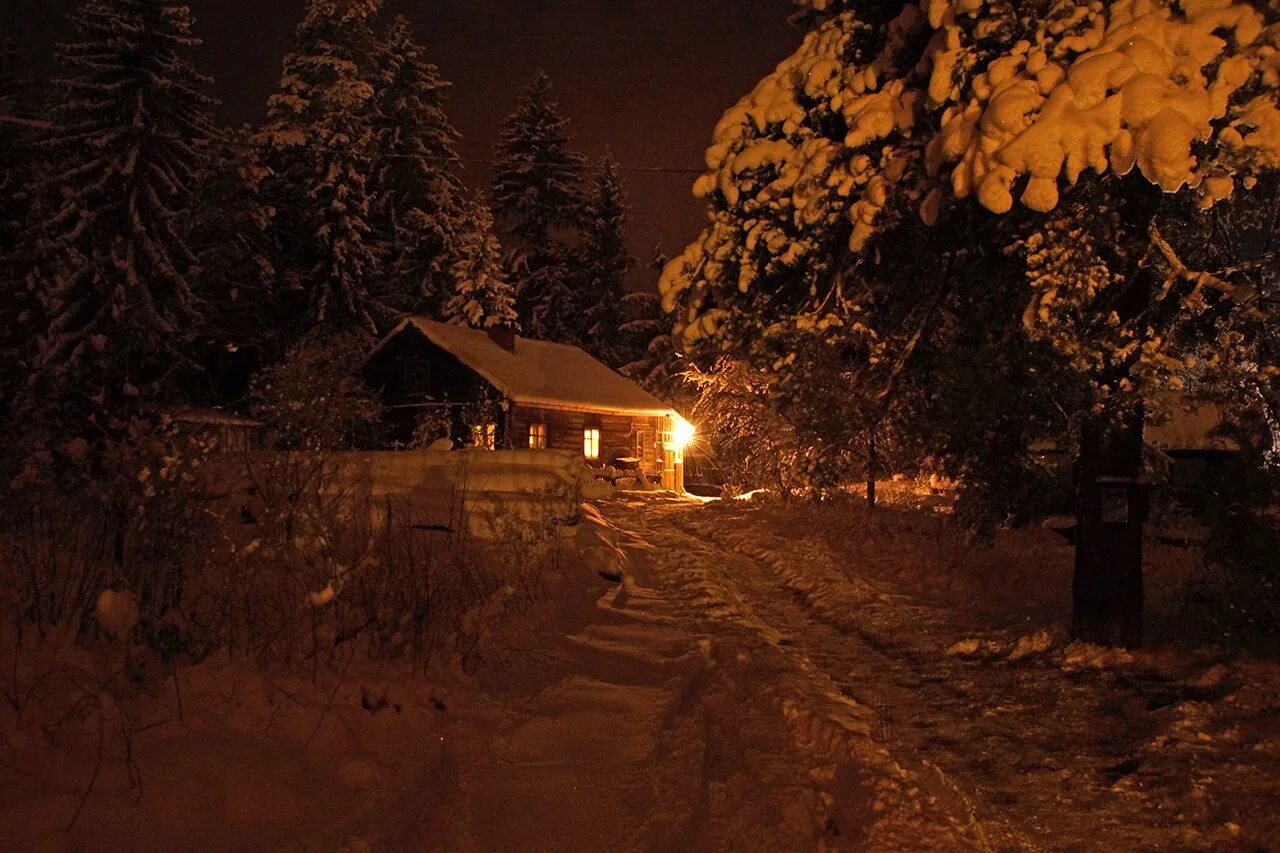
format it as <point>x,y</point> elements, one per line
<point>537,436</point>
<point>484,436</point>
<point>591,443</point>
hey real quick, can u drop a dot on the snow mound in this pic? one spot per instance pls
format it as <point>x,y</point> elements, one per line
<point>1088,656</point>
<point>116,612</point>
<point>1031,645</point>
<point>964,648</point>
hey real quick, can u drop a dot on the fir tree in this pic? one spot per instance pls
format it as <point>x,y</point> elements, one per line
<point>536,191</point>
<point>124,163</point>
<point>11,153</point>
<point>604,268</point>
<point>14,153</point>
<point>234,240</point>
<point>320,146</point>
<point>480,295</point>
<point>646,341</point>
<point>420,207</point>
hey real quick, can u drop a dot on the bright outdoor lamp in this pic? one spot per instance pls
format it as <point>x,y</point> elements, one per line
<point>682,435</point>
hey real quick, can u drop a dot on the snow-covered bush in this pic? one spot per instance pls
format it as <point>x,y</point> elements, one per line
<point>82,517</point>
<point>313,399</point>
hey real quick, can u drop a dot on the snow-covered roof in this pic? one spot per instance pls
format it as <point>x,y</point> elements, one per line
<point>539,373</point>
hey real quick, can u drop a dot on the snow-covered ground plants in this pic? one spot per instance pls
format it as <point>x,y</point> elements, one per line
<point>282,574</point>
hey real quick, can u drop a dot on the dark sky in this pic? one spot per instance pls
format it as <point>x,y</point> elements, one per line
<point>646,79</point>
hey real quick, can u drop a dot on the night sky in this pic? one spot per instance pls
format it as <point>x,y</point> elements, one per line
<point>646,79</point>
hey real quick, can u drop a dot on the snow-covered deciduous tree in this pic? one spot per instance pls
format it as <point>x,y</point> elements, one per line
<point>112,262</point>
<point>536,191</point>
<point>479,294</point>
<point>319,142</point>
<point>603,270</point>
<point>1079,156</point>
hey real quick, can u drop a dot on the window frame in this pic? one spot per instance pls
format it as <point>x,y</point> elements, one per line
<point>537,436</point>
<point>591,443</point>
<point>485,436</point>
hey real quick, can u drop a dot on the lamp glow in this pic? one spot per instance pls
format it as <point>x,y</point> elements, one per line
<point>682,435</point>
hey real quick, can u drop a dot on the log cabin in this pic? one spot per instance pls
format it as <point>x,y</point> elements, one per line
<point>494,389</point>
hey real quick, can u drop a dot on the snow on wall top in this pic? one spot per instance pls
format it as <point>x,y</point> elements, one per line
<point>539,373</point>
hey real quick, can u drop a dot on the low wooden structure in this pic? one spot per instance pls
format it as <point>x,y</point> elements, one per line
<point>223,432</point>
<point>496,390</point>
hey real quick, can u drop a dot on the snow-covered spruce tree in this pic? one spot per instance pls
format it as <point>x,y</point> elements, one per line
<point>646,338</point>
<point>1102,144</point>
<point>319,143</point>
<point>15,154</point>
<point>123,163</point>
<point>536,192</point>
<point>419,207</point>
<point>243,323</point>
<point>479,294</point>
<point>603,270</point>
<point>11,151</point>
<point>108,256</point>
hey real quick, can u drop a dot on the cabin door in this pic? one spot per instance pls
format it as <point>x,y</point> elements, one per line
<point>647,450</point>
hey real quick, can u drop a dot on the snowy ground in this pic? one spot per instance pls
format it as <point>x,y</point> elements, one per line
<point>753,684</point>
<point>1026,743</point>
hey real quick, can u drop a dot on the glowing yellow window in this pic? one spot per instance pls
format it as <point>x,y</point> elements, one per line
<point>537,436</point>
<point>591,443</point>
<point>484,436</point>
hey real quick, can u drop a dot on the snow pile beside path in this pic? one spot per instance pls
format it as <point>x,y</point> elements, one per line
<point>594,543</point>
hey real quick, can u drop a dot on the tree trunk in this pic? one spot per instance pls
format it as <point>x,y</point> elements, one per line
<point>1107,586</point>
<point>871,472</point>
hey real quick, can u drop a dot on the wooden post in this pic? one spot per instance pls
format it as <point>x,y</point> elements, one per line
<point>1107,593</point>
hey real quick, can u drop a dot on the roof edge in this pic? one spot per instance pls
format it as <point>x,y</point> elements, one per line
<point>523,400</point>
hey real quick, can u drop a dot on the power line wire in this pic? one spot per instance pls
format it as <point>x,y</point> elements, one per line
<point>480,161</point>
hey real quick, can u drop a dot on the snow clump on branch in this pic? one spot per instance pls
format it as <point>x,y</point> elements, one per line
<point>952,99</point>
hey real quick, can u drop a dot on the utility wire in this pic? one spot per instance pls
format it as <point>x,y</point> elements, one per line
<point>475,161</point>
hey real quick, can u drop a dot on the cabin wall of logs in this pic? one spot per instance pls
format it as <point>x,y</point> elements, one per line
<point>622,436</point>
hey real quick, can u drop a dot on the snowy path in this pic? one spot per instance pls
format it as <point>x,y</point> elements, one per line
<point>1016,753</point>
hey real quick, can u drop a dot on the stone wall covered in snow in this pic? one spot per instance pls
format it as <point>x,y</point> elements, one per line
<point>486,494</point>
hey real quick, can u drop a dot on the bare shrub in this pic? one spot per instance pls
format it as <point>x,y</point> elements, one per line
<point>288,558</point>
